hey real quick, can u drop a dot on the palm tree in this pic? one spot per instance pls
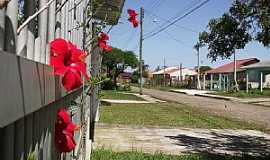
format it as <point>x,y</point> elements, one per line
<point>197,47</point>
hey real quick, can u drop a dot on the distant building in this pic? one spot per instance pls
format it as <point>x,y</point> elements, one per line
<point>124,77</point>
<point>258,75</point>
<point>221,78</point>
<point>173,75</point>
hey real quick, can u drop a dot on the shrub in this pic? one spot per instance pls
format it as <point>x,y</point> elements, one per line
<point>108,85</point>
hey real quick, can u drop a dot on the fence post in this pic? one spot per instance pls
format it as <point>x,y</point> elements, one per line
<point>247,79</point>
<point>261,82</point>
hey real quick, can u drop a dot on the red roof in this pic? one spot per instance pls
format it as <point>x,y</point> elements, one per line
<point>228,68</point>
<point>125,75</point>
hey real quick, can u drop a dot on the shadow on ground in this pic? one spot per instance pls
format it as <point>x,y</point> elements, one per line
<point>219,143</point>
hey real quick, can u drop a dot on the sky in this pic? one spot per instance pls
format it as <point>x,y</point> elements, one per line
<point>176,43</point>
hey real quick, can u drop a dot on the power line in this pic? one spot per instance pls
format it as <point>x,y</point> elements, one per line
<point>178,19</point>
<point>157,4</point>
<point>152,4</point>
<point>173,38</point>
<point>168,21</point>
<point>188,7</point>
<point>178,14</point>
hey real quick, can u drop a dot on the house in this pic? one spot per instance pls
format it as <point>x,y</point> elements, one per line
<point>221,78</point>
<point>173,75</point>
<point>124,77</point>
<point>258,75</point>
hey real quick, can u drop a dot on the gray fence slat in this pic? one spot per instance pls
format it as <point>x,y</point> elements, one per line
<point>10,95</point>
<point>46,126</point>
<point>8,142</point>
<point>28,134</point>
<point>19,140</point>
<point>42,133</point>
<point>35,138</point>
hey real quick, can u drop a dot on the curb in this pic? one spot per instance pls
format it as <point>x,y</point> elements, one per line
<point>178,92</point>
<point>215,97</point>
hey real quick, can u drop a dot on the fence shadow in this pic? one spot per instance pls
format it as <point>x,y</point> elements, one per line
<point>220,144</point>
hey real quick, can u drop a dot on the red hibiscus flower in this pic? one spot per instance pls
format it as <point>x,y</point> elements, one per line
<point>132,13</point>
<point>77,55</point>
<point>68,60</point>
<point>102,42</point>
<point>72,79</point>
<point>64,132</point>
<point>80,66</point>
<point>133,17</point>
<point>63,116</point>
<point>64,142</point>
<point>59,54</point>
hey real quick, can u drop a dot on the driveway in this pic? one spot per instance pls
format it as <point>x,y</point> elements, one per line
<point>182,140</point>
<point>247,112</point>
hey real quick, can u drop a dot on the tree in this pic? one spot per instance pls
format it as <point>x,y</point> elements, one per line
<point>197,47</point>
<point>157,69</point>
<point>117,61</point>
<point>246,20</point>
<point>203,69</point>
<point>136,73</point>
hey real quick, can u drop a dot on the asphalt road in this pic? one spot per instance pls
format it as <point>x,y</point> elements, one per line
<point>247,112</point>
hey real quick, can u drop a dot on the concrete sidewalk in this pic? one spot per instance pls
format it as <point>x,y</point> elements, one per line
<point>147,99</point>
<point>179,141</point>
<point>191,91</point>
<point>203,93</point>
<point>120,101</point>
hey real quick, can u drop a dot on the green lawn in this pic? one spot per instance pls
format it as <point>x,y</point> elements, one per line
<point>168,115</point>
<point>101,154</point>
<point>255,93</point>
<point>111,94</point>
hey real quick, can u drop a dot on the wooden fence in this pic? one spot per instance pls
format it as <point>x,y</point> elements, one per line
<point>29,93</point>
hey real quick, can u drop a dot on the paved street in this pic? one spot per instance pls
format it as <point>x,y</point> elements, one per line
<point>246,112</point>
<point>178,141</point>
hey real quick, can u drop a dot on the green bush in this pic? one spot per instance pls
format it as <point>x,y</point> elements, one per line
<point>124,87</point>
<point>108,85</point>
<point>134,78</point>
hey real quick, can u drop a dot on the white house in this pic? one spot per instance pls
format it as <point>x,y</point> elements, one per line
<point>174,74</point>
<point>184,73</point>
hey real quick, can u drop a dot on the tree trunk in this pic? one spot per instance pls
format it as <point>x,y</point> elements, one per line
<point>235,73</point>
<point>198,74</point>
<point>114,79</point>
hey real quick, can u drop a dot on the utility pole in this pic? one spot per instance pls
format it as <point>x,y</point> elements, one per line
<point>141,41</point>
<point>235,72</point>
<point>181,72</point>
